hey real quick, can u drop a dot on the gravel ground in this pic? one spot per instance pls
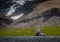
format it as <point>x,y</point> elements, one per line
<point>30,39</point>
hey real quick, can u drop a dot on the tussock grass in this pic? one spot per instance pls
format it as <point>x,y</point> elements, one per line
<point>18,32</point>
<point>48,30</point>
<point>51,30</point>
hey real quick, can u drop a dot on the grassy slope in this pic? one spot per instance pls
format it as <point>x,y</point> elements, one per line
<point>51,30</point>
<point>48,30</point>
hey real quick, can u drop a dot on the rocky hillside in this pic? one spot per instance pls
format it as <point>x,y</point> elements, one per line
<point>45,14</point>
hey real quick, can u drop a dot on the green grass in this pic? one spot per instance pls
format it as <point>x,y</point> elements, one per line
<point>48,30</point>
<point>18,32</point>
<point>51,30</point>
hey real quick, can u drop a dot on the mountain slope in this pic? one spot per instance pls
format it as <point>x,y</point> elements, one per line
<point>41,9</point>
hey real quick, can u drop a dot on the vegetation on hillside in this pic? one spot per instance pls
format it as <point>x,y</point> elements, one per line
<point>47,30</point>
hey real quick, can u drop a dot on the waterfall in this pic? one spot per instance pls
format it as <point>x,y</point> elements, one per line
<point>13,8</point>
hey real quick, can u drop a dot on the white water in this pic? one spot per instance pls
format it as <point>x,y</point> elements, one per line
<point>13,8</point>
<point>17,17</point>
<point>20,2</point>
